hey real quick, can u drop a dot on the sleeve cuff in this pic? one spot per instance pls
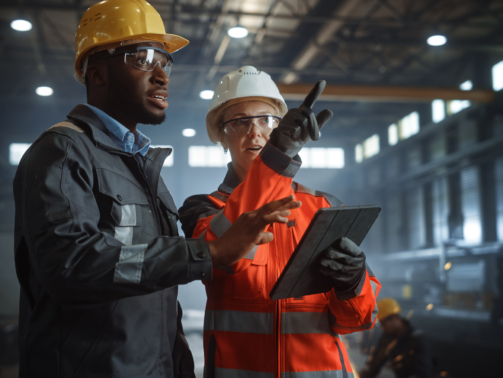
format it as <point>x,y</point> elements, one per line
<point>353,291</point>
<point>200,266</point>
<point>280,162</point>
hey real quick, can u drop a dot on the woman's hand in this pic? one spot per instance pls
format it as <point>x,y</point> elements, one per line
<point>249,231</point>
<point>300,125</point>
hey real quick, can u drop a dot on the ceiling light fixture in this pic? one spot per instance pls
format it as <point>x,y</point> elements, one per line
<point>188,133</point>
<point>44,91</point>
<point>206,94</point>
<point>436,40</point>
<point>237,32</point>
<point>21,25</point>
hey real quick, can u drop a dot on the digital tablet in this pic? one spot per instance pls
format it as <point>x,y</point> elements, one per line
<point>301,275</point>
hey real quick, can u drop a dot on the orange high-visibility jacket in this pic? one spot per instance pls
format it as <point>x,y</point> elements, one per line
<point>248,335</point>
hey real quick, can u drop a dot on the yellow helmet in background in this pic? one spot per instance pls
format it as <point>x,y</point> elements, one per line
<point>112,21</point>
<point>387,307</point>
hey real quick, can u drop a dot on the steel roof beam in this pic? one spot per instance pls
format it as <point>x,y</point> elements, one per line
<point>334,92</point>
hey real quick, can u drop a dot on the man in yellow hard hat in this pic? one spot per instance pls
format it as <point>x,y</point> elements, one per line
<point>400,345</point>
<point>98,254</point>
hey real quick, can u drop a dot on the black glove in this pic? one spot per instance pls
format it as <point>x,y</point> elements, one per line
<point>344,264</point>
<point>300,125</point>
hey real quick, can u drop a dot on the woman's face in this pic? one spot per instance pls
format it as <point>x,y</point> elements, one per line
<point>245,148</point>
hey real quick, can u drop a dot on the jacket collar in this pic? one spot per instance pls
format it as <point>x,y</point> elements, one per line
<point>231,180</point>
<point>84,116</point>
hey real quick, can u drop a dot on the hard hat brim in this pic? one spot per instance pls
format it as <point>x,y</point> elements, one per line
<point>171,43</point>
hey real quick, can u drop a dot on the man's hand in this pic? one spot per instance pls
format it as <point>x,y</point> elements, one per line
<point>300,125</point>
<point>249,231</point>
<point>344,263</point>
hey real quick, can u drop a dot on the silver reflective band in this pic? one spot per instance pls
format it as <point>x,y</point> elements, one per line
<point>306,322</point>
<point>237,373</point>
<point>124,232</point>
<point>317,374</point>
<point>239,321</point>
<point>128,215</point>
<point>203,235</point>
<point>374,287</point>
<point>128,269</point>
<point>219,224</point>
<point>124,235</point>
<point>251,255</point>
<point>68,125</point>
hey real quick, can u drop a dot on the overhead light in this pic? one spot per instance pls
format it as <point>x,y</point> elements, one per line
<point>206,95</point>
<point>436,40</point>
<point>466,86</point>
<point>20,25</point>
<point>188,133</point>
<point>44,91</point>
<point>448,265</point>
<point>237,32</point>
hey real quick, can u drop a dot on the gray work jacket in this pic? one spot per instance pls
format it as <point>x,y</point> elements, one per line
<point>99,258</point>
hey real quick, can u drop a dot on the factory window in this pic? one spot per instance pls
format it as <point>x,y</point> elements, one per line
<point>16,152</point>
<point>359,153</point>
<point>498,167</point>
<point>371,146</point>
<point>438,110</point>
<point>322,157</point>
<point>403,129</point>
<point>466,86</point>
<point>498,76</point>
<point>408,125</point>
<point>208,156</point>
<point>470,205</point>
<point>455,106</point>
<point>169,160</point>
<point>440,207</point>
<point>393,134</point>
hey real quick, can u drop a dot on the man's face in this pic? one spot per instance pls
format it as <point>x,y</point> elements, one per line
<point>135,93</point>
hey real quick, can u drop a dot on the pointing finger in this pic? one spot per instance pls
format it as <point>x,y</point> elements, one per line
<point>314,94</point>
<point>321,119</point>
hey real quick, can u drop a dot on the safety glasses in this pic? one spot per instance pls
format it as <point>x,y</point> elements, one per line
<point>242,126</point>
<point>144,58</point>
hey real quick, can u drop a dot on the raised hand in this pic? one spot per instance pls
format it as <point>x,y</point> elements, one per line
<point>300,125</point>
<point>249,231</point>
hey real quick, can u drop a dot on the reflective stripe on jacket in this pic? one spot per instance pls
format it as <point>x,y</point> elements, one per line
<point>246,334</point>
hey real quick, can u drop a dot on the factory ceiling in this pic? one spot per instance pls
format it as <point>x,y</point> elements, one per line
<point>360,43</point>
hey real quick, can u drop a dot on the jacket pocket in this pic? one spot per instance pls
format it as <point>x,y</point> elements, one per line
<point>121,204</point>
<point>249,284</point>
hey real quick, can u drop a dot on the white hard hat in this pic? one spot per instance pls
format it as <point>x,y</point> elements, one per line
<point>244,84</point>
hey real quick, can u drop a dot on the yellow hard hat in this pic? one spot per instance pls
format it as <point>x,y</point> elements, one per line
<point>387,307</point>
<point>112,21</point>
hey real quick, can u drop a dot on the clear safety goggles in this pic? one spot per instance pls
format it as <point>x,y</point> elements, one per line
<point>145,58</point>
<point>244,125</point>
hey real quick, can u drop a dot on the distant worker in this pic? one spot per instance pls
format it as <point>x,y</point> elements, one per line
<point>401,345</point>
<point>246,334</point>
<point>97,249</point>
